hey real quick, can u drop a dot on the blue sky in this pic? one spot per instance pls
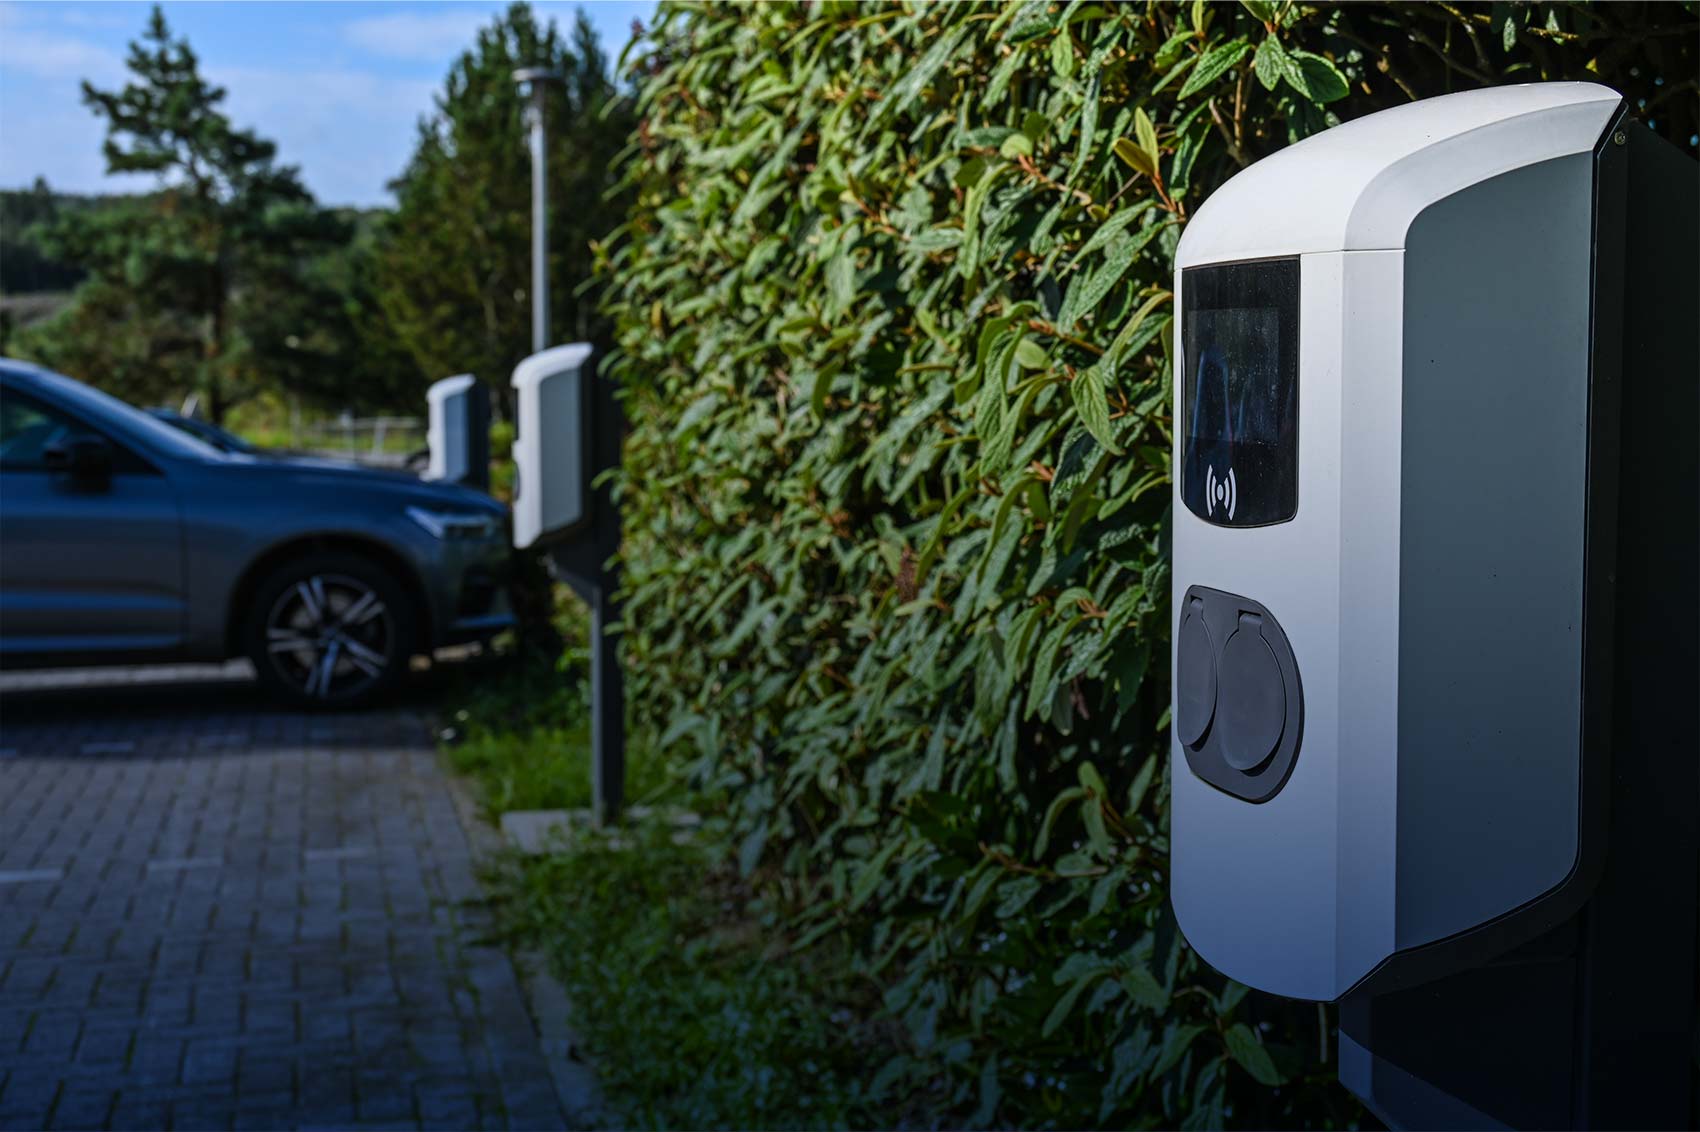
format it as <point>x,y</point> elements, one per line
<point>339,86</point>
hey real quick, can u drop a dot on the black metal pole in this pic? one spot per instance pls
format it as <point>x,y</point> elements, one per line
<point>607,704</point>
<point>584,563</point>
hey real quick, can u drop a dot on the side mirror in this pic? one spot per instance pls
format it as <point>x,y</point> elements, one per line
<point>84,457</point>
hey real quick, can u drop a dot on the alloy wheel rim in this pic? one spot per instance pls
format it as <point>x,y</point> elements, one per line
<point>329,636</point>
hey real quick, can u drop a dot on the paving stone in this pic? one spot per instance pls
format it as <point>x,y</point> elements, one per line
<point>87,1106</point>
<point>155,1059</point>
<point>105,1045</point>
<point>217,914</point>
<point>136,1115</point>
<point>28,1092</point>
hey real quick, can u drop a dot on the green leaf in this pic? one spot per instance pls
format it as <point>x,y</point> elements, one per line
<point>1102,891</point>
<point>1212,66</point>
<point>1065,1005</point>
<point>1058,804</point>
<point>1016,145</point>
<point>1092,403</point>
<point>1318,79</point>
<point>1088,126</point>
<point>1263,11</point>
<point>1085,295</point>
<point>1110,229</point>
<point>872,873</point>
<point>1147,135</point>
<point>1270,64</point>
<point>917,78</point>
<point>1080,965</point>
<point>1175,1044</point>
<point>841,279</point>
<point>1014,896</point>
<point>1504,24</point>
<point>1141,783</point>
<point>1030,355</point>
<point>1144,989</point>
<point>1249,1053</point>
<point>750,849</point>
<point>1171,50</point>
<point>1097,833</point>
<point>819,392</point>
<point>1062,56</point>
<point>1132,155</point>
<point>1129,332</point>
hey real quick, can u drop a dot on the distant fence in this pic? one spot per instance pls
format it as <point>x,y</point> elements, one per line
<point>381,441</point>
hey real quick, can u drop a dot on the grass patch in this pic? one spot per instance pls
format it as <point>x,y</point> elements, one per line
<point>695,1012</point>
<point>519,727</point>
<point>692,1006</point>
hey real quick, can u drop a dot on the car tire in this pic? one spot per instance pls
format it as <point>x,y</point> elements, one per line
<point>330,630</point>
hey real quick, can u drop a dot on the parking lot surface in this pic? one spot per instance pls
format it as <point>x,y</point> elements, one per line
<point>217,913</point>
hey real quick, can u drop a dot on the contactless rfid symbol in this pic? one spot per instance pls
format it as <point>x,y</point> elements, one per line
<point>1223,493</point>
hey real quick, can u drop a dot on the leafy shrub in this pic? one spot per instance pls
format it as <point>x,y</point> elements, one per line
<point>893,315</point>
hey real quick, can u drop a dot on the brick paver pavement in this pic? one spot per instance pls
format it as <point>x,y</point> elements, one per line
<point>215,913</point>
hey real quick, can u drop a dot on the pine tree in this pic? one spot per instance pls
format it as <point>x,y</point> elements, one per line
<point>204,284</point>
<point>454,271</point>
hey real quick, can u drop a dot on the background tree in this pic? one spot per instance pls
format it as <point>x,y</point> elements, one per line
<point>207,283</point>
<point>24,268</point>
<point>454,269</point>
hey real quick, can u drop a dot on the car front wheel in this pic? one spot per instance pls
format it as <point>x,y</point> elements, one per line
<point>330,630</point>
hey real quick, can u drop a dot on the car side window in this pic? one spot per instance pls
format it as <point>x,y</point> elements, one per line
<point>28,427</point>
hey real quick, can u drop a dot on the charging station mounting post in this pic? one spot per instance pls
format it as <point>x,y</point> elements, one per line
<point>591,537</point>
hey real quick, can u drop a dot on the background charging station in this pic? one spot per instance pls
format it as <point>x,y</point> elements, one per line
<point>570,428</point>
<point>1437,602</point>
<point>457,431</point>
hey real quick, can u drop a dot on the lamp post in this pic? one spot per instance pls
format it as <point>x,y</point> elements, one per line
<point>534,83</point>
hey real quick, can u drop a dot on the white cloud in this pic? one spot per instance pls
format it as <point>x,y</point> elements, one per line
<point>44,128</point>
<point>432,36</point>
<point>110,17</point>
<point>350,131</point>
<point>51,55</point>
<point>61,143</point>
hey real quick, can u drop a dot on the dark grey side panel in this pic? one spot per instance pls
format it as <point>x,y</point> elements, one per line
<point>1492,511</point>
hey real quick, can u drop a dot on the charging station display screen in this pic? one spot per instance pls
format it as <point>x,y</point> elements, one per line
<point>1240,392</point>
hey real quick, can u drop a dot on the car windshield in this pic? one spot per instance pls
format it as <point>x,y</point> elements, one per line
<point>222,439</point>
<point>154,432</point>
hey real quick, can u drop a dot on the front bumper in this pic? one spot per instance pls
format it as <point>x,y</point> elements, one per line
<point>467,586</point>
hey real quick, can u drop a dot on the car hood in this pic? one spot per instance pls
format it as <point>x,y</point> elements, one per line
<point>312,474</point>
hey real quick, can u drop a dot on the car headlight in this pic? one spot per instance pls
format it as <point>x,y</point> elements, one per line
<point>455,526</point>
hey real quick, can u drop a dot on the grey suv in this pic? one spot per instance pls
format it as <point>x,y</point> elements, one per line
<point>125,540</point>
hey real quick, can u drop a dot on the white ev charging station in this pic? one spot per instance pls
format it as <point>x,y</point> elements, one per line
<point>1435,602</point>
<point>551,462</point>
<point>457,431</point>
<point>570,427</point>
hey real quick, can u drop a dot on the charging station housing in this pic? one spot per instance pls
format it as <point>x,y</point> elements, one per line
<point>552,445</point>
<point>1435,521</point>
<point>457,431</point>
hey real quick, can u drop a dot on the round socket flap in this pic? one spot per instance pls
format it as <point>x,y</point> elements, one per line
<point>1195,679</point>
<point>1254,700</point>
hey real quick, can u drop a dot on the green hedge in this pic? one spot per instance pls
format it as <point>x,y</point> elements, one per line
<point>893,317</point>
